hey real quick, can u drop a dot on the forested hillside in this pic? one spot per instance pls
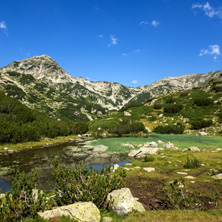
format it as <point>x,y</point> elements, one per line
<point>19,123</point>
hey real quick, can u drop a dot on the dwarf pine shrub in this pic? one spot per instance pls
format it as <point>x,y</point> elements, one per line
<point>192,162</point>
<point>84,184</point>
<point>22,201</point>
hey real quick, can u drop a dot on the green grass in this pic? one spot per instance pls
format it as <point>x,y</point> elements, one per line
<point>180,141</point>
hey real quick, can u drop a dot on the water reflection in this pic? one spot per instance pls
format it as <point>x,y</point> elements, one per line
<point>41,159</point>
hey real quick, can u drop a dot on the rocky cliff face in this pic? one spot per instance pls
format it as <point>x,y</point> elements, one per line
<point>40,83</point>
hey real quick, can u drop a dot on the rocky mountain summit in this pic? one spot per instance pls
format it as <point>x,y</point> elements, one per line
<point>40,83</point>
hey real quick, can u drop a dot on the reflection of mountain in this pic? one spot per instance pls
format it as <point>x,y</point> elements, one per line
<point>41,159</point>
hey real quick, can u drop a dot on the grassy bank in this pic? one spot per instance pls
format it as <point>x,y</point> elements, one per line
<point>180,141</point>
<point>41,143</point>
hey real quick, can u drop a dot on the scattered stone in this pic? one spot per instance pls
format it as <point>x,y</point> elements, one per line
<point>100,149</point>
<point>122,202</point>
<point>11,151</point>
<point>137,167</point>
<point>133,153</point>
<point>151,144</point>
<point>175,148</point>
<point>182,173</point>
<point>218,149</point>
<point>163,156</point>
<point>81,211</point>
<point>202,164</point>
<point>148,130</point>
<point>201,134</point>
<point>128,145</point>
<point>218,176</point>
<point>125,168</point>
<point>192,181</point>
<point>114,167</point>
<point>2,196</point>
<point>5,148</point>
<point>190,177</point>
<point>168,146</point>
<point>194,149</point>
<point>127,113</point>
<point>160,142</point>
<point>128,164</point>
<point>107,219</point>
<point>186,170</point>
<point>149,169</point>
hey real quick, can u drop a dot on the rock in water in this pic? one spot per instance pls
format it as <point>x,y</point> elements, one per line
<point>122,202</point>
<point>100,149</point>
<point>81,211</point>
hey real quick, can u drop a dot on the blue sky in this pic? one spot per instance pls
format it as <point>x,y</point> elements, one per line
<point>132,42</point>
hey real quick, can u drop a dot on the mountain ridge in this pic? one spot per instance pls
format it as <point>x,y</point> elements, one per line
<point>40,83</point>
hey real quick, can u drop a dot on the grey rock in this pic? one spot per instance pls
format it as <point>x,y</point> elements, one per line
<point>122,202</point>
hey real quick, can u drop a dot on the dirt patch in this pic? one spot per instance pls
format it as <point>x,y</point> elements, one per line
<point>148,190</point>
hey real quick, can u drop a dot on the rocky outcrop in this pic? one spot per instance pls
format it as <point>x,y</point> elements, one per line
<point>194,149</point>
<point>217,177</point>
<point>100,149</point>
<point>143,151</point>
<point>81,211</point>
<point>122,202</point>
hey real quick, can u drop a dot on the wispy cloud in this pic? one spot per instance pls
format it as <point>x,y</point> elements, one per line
<point>99,36</point>
<point>135,81</point>
<point>3,26</point>
<point>113,40</point>
<point>208,10</point>
<point>129,53</point>
<point>154,23</point>
<point>213,50</point>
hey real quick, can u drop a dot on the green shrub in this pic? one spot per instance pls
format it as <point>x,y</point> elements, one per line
<point>184,93</point>
<point>149,158</point>
<point>173,108</point>
<point>175,195</point>
<point>22,202</point>
<point>200,123</point>
<point>170,99</point>
<point>84,184</point>
<point>192,163</point>
<point>203,101</point>
<point>168,129</point>
<point>157,105</point>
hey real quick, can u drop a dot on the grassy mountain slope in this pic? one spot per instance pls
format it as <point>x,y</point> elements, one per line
<point>195,109</point>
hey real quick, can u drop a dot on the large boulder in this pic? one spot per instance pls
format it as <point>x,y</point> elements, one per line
<point>217,177</point>
<point>122,202</point>
<point>143,151</point>
<point>100,149</point>
<point>201,134</point>
<point>194,149</point>
<point>168,145</point>
<point>81,211</point>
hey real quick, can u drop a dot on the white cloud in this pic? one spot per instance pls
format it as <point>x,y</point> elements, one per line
<point>124,54</point>
<point>136,51</point>
<point>3,25</point>
<point>144,23</point>
<point>154,23</point>
<point>132,52</point>
<point>99,36</point>
<point>113,40</point>
<point>208,10</point>
<point>135,81</point>
<point>213,50</point>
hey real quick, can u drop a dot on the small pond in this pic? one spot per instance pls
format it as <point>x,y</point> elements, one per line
<point>41,158</point>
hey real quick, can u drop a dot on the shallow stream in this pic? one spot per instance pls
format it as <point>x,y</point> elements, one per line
<point>41,158</point>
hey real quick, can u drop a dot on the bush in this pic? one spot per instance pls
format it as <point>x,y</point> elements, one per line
<point>84,184</point>
<point>203,101</point>
<point>149,158</point>
<point>177,196</point>
<point>173,108</point>
<point>192,163</point>
<point>200,123</point>
<point>157,105</point>
<point>22,202</point>
<point>168,129</point>
<point>170,99</point>
<point>184,93</point>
